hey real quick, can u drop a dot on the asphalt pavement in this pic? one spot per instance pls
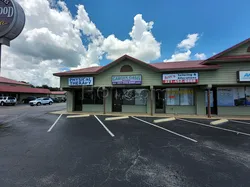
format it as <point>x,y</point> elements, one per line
<point>83,152</point>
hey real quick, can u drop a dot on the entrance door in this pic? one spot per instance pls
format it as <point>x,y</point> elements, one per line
<point>213,101</point>
<point>117,100</point>
<point>160,101</point>
<point>78,100</point>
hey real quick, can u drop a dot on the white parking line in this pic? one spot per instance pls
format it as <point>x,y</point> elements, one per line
<point>177,134</point>
<point>240,122</point>
<point>111,134</point>
<point>54,123</point>
<point>224,129</point>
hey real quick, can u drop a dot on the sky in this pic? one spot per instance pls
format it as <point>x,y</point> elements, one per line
<point>71,34</point>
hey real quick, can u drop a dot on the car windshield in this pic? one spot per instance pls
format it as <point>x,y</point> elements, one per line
<point>11,97</point>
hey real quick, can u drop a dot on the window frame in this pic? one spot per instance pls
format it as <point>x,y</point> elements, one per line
<point>179,95</point>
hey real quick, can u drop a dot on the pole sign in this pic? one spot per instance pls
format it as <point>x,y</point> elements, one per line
<point>180,78</point>
<point>81,81</point>
<point>127,80</point>
<point>12,19</point>
<point>243,76</point>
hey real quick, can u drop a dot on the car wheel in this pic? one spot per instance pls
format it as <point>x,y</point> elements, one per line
<point>2,103</point>
<point>38,104</point>
<point>50,103</point>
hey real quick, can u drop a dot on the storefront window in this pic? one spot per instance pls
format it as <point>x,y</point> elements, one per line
<point>186,96</point>
<point>180,96</point>
<point>173,97</point>
<point>94,96</point>
<point>134,97</point>
<point>234,96</point>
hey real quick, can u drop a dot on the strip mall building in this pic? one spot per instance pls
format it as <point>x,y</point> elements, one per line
<point>219,85</point>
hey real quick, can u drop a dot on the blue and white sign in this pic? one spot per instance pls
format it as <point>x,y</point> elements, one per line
<point>81,81</point>
<point>244,76</point>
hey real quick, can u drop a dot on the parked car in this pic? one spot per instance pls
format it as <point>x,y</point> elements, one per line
<point>56,100</point>
<point>7,100</point>
<point>64,99</point>
<point>41,101</point>
<point>28,99</point>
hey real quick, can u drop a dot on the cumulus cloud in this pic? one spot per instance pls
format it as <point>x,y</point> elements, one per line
<point>183,52</point>
<point>189,42</point>
<point>142,43</point>
<point>52,40</point>
<point>200,56</point>
<point>180,56</point>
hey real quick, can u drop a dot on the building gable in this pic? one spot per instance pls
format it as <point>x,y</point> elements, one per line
<point>240,52</point>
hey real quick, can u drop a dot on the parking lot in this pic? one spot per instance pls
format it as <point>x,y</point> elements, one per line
<point>41,149</point>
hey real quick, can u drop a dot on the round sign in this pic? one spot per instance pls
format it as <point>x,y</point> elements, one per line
<point>12,19</point>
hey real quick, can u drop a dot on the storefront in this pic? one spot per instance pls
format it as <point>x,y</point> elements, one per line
<point>219,85</point>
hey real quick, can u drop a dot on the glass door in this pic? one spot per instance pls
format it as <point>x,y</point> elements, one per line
<point>117,100</point>
<point>160,101</point>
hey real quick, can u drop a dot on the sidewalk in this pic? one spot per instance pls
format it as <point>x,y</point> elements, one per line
<point>155,115</point>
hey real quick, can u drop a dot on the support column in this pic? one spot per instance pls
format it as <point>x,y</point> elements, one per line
<point>208,104</point>
<point>104,100</point>
<point>152,100</point>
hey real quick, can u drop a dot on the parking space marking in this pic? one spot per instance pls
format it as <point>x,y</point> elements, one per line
<point>54,123</point>
<point>240,122</point>
<point>220,128</point>
<point>111,134</point>
<point>177,134</point>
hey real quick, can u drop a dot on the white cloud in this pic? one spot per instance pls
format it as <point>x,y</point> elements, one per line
<point>183,52</point>
<point>189,42</point>
<point>52,40</point>
<point>142,44</point>
<point>179,57</point>
<point>200,56</point>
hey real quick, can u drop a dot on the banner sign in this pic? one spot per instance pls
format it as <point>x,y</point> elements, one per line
<point>130,79</point>
<point>180,78</point>
<point>81,81</point>
<point>243,76</point>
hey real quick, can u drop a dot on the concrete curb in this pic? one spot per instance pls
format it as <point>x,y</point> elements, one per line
<point>77,116</point>
<point>116,118</point>
<point>164,120</point>
<point>218,122</point>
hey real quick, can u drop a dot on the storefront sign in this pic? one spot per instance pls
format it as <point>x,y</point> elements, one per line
<point>180,78</point>
<point>12,19</point>
<point>130,79</point>
<point>81,81</point>
<point>243,76</point>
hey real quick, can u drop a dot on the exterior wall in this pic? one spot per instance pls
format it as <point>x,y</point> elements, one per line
<point>108,105</point>
<point>234,111</point>
<point>92,108</point>
<point>200,102</point>
<point>180,109</point>
<point>25,95</point>
<point>242,50</point>
<point>224,76</point>
<point>149,77</point>
<point>70,101</point>
<point>57,95</point>
<point>134,109</point>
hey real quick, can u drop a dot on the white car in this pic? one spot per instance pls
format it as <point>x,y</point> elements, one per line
<point>7,100</point>
<point>41,101</point>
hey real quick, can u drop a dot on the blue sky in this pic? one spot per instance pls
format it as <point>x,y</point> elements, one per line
<point>220,24</point>
<point>62,35</point>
